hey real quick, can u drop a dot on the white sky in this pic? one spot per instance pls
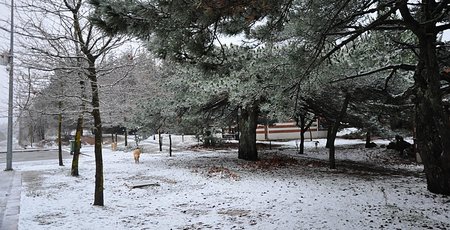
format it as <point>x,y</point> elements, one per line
<point>4,46</point>
<point>3,95</point>
<point>4,77</point>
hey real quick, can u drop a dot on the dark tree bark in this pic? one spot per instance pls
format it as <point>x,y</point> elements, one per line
<point>368,139</point>
<point>91,73</point>
<point>98,196</point>
<point>247,137</point>
<point>159,140</point>
<point>432,120</point>
<point>60,159</point>
<point>126,136</point>
<point>431,117</point>
<point>31,135</point>
<point>332,151</point>
<point>301,123</point>
<point>302,142</point>
<point>78,133</point>
<point>329,131</point>
<point>334,130</point>
<point>76,152</point>
<point>170,145</point>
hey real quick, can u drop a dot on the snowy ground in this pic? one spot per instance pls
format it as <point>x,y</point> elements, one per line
<point>205,189</point>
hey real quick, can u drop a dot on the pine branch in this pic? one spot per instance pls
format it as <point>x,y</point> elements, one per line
<point>391,67</point>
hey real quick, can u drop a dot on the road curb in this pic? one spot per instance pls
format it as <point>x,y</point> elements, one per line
<point>10,218</point>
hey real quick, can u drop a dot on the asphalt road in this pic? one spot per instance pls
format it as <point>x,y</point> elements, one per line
<point>33,155</point>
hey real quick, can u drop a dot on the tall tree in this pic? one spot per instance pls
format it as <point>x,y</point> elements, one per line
<point>52,52</point>
<point>191,32</point>
<point>342,22</point>
<point>87,48</point>
<point>238,88</point>
<point>93,45</point>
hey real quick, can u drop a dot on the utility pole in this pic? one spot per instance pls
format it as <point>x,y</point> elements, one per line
<point>11,93</point>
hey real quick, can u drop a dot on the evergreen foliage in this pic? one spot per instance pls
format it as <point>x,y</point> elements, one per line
<point>364,54</point>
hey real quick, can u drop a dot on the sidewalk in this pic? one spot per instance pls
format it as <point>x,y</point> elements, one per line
<point>31,150</point>
<point>10,189</point>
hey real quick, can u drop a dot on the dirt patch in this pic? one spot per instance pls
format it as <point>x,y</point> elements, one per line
<point>49,218</point>
<point>35,185</point>
<point>160,179</point>
<point>229,145</point>
<point>234,212</point>
<point>33,180</point>
<point>271,162</point>
<point>222,172</point>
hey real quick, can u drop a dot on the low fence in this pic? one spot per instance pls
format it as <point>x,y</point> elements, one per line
<point>288,131</point>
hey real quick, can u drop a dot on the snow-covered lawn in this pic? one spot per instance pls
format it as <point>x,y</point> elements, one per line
<point>206,189</point>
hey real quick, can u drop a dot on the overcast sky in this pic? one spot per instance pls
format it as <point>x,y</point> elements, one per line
<point>4,77</point>
<point>4,47</point>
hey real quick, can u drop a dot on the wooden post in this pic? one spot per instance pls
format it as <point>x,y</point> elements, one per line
<point>160,141</point>
<point>170,145</point>
<point>182,137</point>
<point>126,136</point>
<point>266,132</point>
<point>61,163</point>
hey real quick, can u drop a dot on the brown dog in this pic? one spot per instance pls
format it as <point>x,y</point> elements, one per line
<point>114,146</point>
<point>137,155</point>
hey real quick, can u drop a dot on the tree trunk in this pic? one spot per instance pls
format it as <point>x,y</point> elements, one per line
<point>170,145</point>
<point>329,131</point>
<point>302,134</point>
<point>301,123</point>
<point>76,152</point>
<point>302,143</point>
<point>247,137</point>
<point>99,180</point>
<point>98,197</point>
<point>21,141</point>
<point>368,139</point>
<point>432,119</point>
<point>78,133</point>
<point>330,143</point>
<point>334,130</point>
<point>31,130</point>
<point>61,163</point>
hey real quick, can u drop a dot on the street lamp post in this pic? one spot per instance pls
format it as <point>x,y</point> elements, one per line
<point>10,100</point>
